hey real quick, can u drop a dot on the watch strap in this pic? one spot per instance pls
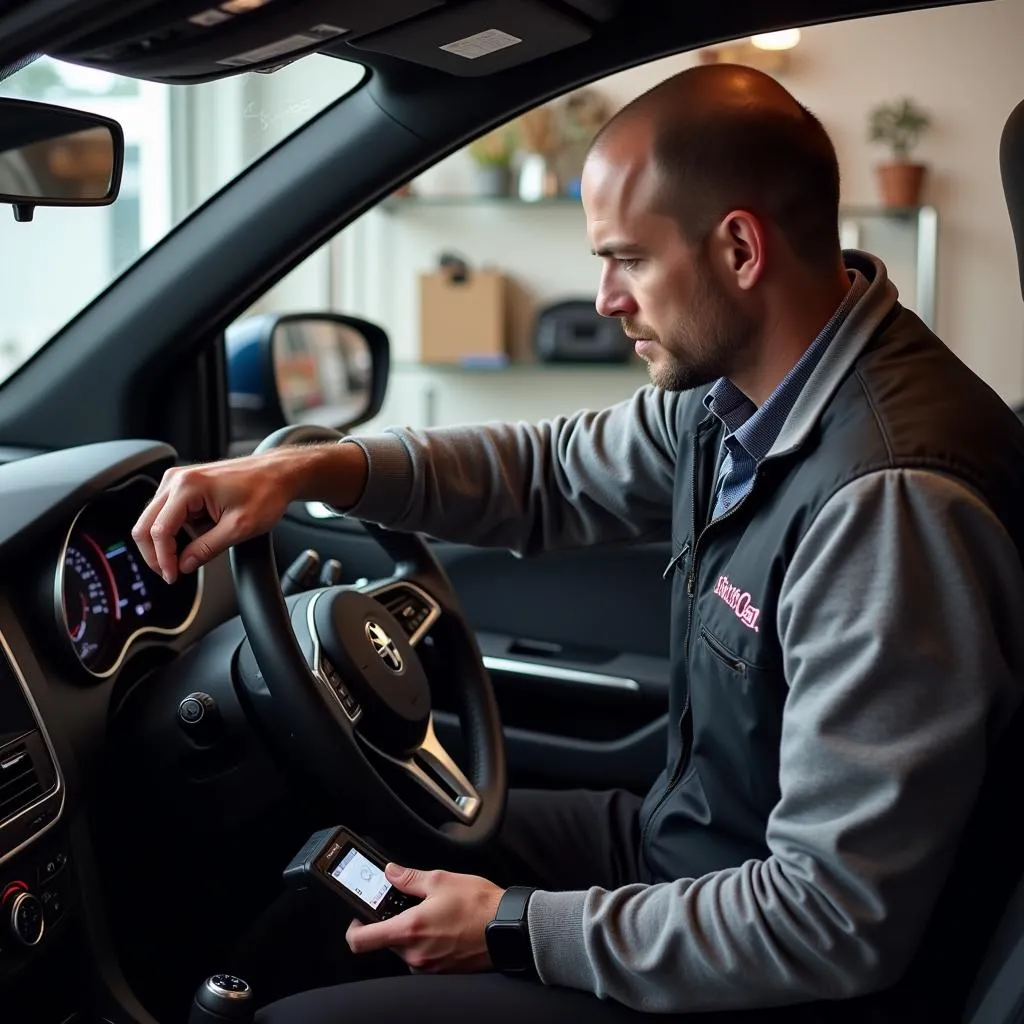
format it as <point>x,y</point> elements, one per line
<point>513,903</point>
<point>510,920</point>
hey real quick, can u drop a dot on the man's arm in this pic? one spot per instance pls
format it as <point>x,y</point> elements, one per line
<point>902,662</point>
<point>594,477</point>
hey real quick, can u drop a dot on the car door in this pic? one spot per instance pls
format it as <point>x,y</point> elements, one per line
<point>576,644</point>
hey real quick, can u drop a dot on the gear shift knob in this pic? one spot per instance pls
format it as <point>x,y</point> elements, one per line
<point>222,998</point>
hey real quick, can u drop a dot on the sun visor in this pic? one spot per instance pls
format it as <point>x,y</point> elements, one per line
<point>479,38</point>
<point>195,42</point>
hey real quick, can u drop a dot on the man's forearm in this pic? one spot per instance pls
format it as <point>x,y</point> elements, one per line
<point>332,473</point>
<point>591,478</point>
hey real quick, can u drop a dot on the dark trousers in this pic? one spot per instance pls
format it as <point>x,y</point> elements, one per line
<point>553,840</point>
<point>550,839</point>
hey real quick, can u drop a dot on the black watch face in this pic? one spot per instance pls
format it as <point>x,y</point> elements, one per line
<point>508,946</point>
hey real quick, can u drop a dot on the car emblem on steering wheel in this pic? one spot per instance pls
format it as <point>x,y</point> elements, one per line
<point>385,647</point>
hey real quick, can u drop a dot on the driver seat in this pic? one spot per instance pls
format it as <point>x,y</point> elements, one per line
<point>997,996</point>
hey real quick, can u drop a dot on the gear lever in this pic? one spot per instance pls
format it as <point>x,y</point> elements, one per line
<point>223,998</point>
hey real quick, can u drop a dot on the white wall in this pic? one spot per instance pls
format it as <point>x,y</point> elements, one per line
<point>963,64</point>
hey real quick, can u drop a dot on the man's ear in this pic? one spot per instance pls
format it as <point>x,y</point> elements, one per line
<point>740,241</point>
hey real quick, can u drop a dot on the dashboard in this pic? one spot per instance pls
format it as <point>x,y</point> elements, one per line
<point>85,626</point>
<point>106,596</point>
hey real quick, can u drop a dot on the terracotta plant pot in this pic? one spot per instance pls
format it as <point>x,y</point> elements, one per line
<point>900,183</point>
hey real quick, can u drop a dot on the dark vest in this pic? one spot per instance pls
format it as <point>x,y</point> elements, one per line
<point>906,402</point>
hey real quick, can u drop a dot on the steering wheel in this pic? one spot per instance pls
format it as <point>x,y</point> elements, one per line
<point>344,687</point>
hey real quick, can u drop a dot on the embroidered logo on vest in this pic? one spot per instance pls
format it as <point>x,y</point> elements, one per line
<point>739,601</point>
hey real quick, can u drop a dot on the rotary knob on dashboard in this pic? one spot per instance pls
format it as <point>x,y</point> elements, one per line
<point>200,718</point>
<point>25,914</point>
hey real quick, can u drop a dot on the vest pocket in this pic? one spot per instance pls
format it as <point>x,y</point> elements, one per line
<point>722,653</point>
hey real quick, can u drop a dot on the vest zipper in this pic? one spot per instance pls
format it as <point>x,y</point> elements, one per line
<point>691,589</point>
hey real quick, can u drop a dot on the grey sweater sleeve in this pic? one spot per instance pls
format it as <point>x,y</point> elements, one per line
<point>902,659</point>
<point>591,478</point>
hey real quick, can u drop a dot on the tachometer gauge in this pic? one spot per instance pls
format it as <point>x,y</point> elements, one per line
<point>90,599</point>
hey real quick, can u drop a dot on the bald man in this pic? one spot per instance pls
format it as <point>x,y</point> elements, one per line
<point>842,498</point>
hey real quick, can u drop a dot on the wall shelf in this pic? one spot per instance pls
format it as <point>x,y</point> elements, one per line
<point>905,238</point>
<point>633,367</point>
<point>413,202</point>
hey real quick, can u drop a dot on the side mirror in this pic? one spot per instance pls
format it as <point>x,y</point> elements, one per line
<point>291,368</point>
<point>57,156</point>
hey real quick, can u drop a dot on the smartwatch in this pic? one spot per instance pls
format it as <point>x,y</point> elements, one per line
<point>508,935</point>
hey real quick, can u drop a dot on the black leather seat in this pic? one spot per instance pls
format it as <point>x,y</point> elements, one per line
<point>998,993</point>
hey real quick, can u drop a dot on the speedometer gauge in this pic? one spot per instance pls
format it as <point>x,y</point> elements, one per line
<point>90,599</point>
<point>106,598</point>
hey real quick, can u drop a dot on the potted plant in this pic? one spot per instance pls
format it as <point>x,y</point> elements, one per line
<point>493,154</point>
<point>899,125</point>
<point>539,137</point>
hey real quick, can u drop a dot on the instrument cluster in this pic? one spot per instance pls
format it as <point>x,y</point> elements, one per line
<point>107,597</point>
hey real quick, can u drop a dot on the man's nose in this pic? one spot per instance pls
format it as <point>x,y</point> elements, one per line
<point>614,301</point>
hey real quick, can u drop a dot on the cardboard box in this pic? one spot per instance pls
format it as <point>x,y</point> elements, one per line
<point>463,321</point>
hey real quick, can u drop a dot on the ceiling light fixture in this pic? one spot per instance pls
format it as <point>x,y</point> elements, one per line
<point>784,40</point>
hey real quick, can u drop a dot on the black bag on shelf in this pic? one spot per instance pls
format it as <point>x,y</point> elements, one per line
<point>574,332</point>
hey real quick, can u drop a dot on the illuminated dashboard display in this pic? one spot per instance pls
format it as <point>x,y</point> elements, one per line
<point>107,595</point>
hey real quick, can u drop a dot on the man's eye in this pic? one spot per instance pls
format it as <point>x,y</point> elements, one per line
<point>629,263</point>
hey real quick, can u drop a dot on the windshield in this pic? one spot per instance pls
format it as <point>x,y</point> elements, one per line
<point>182,144</point>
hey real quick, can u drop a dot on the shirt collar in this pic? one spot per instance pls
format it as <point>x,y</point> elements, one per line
<point>756,429</point>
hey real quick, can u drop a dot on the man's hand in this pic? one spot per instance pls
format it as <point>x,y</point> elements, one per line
<point>444,933</point>
<point>230,501</point>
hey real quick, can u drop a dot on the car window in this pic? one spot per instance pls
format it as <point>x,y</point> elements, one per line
<point>182,144</point>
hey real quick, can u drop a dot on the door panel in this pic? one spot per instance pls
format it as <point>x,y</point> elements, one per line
<point>576,644</point>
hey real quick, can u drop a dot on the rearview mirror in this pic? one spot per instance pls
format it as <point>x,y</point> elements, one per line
<point>317,368</point>
<point>57,156</point>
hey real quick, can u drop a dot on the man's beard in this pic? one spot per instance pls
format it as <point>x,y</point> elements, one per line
<point>703,345</point>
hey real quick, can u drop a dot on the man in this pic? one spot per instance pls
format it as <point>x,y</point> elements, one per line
<point>841,494</point>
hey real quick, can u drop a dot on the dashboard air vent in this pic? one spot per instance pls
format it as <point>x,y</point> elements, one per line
<point>19,783</point>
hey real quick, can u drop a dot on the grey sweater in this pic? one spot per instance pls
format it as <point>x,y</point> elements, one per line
<point>878,734</point>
